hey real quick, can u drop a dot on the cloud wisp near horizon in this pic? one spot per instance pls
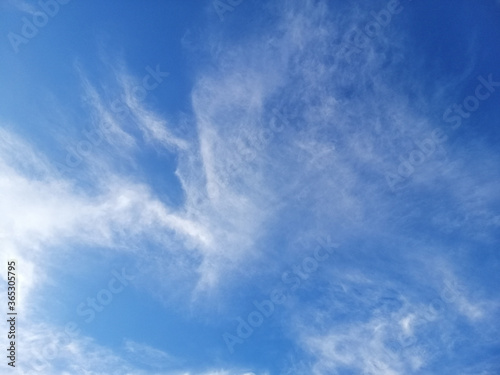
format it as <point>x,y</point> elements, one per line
<point>251,188</point>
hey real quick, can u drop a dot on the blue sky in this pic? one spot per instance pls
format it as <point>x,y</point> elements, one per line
<point>243,187</point>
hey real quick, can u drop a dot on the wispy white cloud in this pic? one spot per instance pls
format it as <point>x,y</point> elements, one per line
<point>343,127</point>
<point>132,96</point>
<point>379,325</point>
<point>51,351</point>
<point>150,356</point>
